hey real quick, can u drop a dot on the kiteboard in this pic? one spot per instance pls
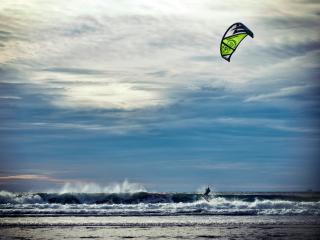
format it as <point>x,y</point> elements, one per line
<point>206,197</point>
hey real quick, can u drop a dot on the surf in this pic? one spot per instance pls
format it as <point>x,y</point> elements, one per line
<point>148,203</point>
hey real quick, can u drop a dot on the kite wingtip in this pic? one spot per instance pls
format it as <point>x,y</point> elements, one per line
<point>226,58</point>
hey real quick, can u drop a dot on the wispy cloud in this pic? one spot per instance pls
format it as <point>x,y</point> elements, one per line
<point>283,92</point>
<point>10,97</point>
<point>29,177</point>
<point>276,124</point>
<point>148,125</point>
<point>226,166</point>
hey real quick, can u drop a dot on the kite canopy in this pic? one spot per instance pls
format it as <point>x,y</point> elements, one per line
<point>232,38</point>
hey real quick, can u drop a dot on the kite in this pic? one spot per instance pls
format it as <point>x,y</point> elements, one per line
<point>232,38</point>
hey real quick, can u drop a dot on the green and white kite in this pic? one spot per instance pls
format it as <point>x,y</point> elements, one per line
<point>232,38</point>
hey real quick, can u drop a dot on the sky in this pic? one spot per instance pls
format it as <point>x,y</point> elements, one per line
<point>98,92</point>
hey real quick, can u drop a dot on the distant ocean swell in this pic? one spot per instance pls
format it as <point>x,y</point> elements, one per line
<point>144,203</point>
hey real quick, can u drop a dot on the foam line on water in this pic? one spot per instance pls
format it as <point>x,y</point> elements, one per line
<point>144,203</point>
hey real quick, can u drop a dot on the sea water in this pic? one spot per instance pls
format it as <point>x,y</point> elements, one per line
<point>146,215</point>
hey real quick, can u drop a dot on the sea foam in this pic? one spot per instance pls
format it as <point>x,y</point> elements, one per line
<point>144,203</point>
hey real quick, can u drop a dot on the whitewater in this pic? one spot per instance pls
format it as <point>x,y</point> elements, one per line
<point>157,204</point>
<point>127,210</point>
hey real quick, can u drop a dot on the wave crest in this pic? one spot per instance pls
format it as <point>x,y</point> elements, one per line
<point>78,187</point>
<point>144,203</point>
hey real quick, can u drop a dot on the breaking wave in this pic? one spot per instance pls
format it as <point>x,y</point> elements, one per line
<point>144,203</point>
<point>78,187</point>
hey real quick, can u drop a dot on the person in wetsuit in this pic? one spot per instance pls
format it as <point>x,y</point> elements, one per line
<point>207,191</point>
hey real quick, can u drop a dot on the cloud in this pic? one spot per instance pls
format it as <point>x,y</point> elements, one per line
<point>74,71</point>
<point>276,124</point>
<point>110,96</point>
<point>29,177</point>
<point>121,43</point>
<point>117,129</point>
<point>226,166</point>
<point>281,93</point>
<point>10,97</point>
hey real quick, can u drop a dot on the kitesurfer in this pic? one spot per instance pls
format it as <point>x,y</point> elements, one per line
<point>207,191</point>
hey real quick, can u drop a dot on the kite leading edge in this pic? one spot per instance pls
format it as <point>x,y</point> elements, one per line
<point>232,38</point>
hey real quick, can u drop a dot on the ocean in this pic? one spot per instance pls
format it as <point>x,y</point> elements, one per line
<point>145,215</point>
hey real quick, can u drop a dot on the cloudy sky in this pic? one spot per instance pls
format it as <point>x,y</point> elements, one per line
<point>102,91</point>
